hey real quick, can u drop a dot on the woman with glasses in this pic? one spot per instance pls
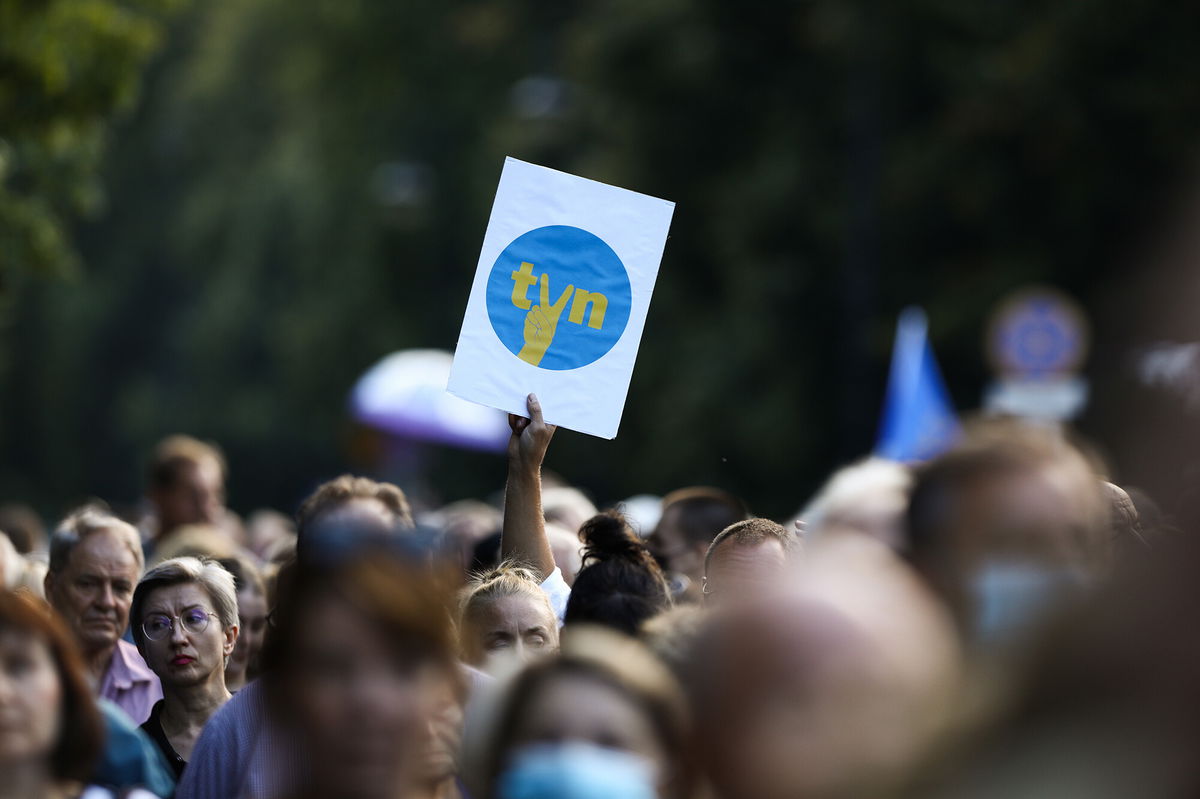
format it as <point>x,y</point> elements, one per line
<point>184,618</point>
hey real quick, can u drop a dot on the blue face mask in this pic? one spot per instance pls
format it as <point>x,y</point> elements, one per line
<point>577,770</point>
<point>1013,596</point>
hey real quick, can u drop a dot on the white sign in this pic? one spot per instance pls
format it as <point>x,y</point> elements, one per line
<point>560,297</point>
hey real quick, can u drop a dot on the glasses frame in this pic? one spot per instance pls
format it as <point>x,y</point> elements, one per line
<point>208,617</point>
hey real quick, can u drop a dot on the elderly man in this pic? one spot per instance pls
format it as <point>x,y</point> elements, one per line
<point>95,563</point>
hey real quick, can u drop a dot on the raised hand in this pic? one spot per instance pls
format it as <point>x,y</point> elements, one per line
<point>530,438</point>
<point>524,533</point>
<point>542,321</point>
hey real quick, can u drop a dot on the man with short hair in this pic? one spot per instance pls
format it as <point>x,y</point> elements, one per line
<point>95,563</point>
<point>745,558</point>
<point>691,519</point>
<point>186,484</point>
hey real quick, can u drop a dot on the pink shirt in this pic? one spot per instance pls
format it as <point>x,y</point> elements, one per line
<point>129,684</point>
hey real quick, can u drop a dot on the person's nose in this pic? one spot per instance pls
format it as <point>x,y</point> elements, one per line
<point>178,634</point>
<point>105,597</point>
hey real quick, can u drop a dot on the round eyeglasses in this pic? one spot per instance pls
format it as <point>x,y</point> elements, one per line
<point>160,625</point>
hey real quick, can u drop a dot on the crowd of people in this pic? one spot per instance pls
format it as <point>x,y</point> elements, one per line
<point>999,621</point>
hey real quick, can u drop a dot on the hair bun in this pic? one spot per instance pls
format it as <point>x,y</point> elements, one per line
<point>607,536</point>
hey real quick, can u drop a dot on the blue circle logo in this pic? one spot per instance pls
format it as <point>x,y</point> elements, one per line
<point>558,297</point>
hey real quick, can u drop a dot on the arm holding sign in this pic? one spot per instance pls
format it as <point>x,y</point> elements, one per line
<point>523,536</point>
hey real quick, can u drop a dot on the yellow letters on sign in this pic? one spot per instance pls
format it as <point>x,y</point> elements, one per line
<point>542,319</point>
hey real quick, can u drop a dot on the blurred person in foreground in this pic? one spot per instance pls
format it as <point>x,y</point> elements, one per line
<point>243,751</point>
<point>252,622</point>
<point>95,563</point>
<point>1102,704</point>
<point>691,518</point>
<point>748,557</point>
<point>505,620</point>
<point>185,484</point>
<point>1006,527</point>
<point>360,659</point>
<point>50,730</point>
<point>620,584</point>
<point>185,623</point>
<point>830,688</point>
<point>602,719</point>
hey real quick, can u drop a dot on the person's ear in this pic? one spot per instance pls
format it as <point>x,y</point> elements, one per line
<point>48,586</point>
<point>231,635</point>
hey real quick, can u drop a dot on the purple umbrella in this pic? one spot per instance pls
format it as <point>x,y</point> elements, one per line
<point>405,394</point>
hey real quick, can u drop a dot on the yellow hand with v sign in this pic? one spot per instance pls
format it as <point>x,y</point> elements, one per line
<point>542,321</point>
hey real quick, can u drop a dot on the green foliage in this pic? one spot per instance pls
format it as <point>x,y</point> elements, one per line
<point>305,184</point>
<point>66,66</point>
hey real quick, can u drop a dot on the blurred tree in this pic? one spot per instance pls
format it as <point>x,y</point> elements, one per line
<point>66,67</point>
<point>306,186</point>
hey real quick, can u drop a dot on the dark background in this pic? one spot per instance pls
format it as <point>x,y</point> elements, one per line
<point>268,196</point>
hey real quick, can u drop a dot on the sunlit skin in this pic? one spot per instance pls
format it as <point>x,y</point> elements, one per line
<point>190,665</point>
<point>362,703</point>
<point>30,710</point>
<point>93,593</point>
<point>739,570</point>
<point>252,613</point>
<point>509,629</point>
<point>196,497</point>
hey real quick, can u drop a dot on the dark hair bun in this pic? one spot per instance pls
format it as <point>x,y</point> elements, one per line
<point>606,536</point>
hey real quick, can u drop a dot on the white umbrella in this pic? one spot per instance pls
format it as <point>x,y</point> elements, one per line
<point>405,394</point>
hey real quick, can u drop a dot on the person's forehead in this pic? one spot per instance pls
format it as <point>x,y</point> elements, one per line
<point>105,552</point>
<point>181,594</point>
<point>736,556</point>
<point>581,706</point>
<point>516,611</point>
<point>22,641</point>
<point>251,602</point>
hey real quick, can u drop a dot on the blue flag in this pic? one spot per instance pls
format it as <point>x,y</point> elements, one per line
<point>918,417</point>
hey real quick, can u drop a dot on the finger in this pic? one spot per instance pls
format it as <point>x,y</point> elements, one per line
<point>535,409</point>
<point>544,290</point>
<point>557,307</point>
<point>517,423</point>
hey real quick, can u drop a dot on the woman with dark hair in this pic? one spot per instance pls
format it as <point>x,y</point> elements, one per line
<point>620,584</point>
<point>50,730</point>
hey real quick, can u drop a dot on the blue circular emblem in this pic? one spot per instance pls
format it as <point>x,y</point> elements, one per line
<point>1038,332</point>
<point>558,297</point>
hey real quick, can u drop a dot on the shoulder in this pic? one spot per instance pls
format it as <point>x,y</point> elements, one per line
<point>132,662</point>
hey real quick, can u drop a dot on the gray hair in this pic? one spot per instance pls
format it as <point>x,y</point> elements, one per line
<point>208,574</point>
<point>86,521</point>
